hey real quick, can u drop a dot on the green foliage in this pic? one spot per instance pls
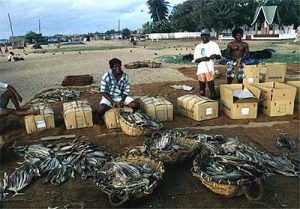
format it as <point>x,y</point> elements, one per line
<point>193,15</point>
<point>186,16</point>
<point>110,32</point>
<point>163,26</point>
<point>158,9</point>
<point>125,33</point>
<point>245,10</point>
<point>175,59</point>
<point>32,37</point>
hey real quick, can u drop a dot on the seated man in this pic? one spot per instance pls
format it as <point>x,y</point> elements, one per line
<point>115,90</point>
<point>10,93</point>
<point>11,57</point>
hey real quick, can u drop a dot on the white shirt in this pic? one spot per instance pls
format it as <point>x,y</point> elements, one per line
<point>10,58</point>
<point>206,50</point>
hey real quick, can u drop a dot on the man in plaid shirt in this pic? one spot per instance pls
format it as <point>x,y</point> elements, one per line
<point>115,90</point>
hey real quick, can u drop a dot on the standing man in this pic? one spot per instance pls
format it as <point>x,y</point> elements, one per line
<point>115,90</point>
<point>237,51</point>
<point>9,93</point>
<point>204,54</point>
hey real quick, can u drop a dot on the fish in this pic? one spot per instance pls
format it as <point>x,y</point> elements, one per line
<point>3,186</point>
<point>22,177</point>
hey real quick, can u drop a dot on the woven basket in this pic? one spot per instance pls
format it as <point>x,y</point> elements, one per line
<point>232,188</point>
<point>135,157</point>
<point>132,65</point>
<point>154,64</point>
<point>181,155</point>
<point>132,130</point>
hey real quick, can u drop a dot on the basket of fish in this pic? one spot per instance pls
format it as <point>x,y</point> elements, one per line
<point>171,146</point>
<point>132,65</point>
<point>154,64</point>
<point>229,176</point>
<point>138,124</point>
<point>130,176</point>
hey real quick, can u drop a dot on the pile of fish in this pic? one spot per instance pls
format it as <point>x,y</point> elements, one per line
<point>56,162</point>
<point>122,179</point>
<point>228,170</point>
<point>141,120</point>
<point>166,141</point>
<point>284,140</point>
<point>55,95</point>
<point>234,151</point>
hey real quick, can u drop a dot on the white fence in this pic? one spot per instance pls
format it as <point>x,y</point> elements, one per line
<point>178,35</point>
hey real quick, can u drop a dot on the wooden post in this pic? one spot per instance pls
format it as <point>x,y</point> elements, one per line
<point>256,28</point>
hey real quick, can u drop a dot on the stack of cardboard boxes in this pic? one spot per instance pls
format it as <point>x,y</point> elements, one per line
<point>44,120</point>
<point>239,107</point>
<point>278,98</point>
<point>297,98</point>
<point>158,108</point>
<point>77,114</point>
<point>197,108</point>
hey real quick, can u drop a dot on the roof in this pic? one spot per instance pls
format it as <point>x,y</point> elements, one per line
<point>269,13</point>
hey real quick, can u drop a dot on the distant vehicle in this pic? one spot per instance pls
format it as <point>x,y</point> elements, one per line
<point>4,41</point>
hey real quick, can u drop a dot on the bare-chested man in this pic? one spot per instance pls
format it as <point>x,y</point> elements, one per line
<point>237,50</point>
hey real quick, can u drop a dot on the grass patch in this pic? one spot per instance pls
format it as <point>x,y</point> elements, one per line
<point>178,59</point>
<point>78,48</point>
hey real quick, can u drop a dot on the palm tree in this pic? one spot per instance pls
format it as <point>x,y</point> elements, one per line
<point>158,9</point>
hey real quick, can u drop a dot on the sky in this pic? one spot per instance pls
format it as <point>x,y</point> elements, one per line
<point>72,16</point>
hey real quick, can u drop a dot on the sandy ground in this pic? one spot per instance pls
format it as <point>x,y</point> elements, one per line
<point>40,71</point>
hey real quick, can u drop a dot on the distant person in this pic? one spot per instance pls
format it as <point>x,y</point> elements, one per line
<point>237,51</point>
<point>9,93</point>
<point>1,50</point>
<point>5,49</point>
<point>115,90</point>
<point>11,57</point>
<point>204,54</point>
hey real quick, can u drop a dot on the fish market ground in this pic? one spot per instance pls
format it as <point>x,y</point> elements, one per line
<point>178,188</point>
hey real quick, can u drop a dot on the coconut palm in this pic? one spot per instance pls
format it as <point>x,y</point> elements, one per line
<point>158,9</point>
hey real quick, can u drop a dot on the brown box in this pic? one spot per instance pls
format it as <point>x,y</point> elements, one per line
<point>278,98</point>
<point>197,108</point>
<point>297,85</point>
<point>37,123</point>
<point>158,108</point>
<point>1,146</point>
<point>251,75</point>
<point>272,72</point>
<point>77,114</point>
<point>111,117</point>
<point>237,108</point>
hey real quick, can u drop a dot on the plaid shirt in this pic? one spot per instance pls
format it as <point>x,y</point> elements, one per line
<point>110,85</point>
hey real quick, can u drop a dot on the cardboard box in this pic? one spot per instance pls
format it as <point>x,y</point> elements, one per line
<point>251,75</point>
<point>37,123</point>
<point>111,117</point>
<point>237,108</point>
<point>1,147</point>
<point>197,108</point>
<point>297,85</point>
<point>158,108</point>
<point>272,72</point>
<point>77,114</point>
<point>278,98</point>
